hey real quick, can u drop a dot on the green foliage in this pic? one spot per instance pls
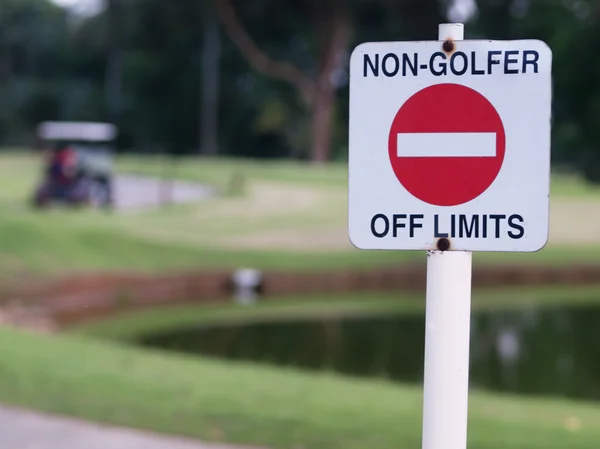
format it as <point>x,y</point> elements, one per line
<point>32,36</point>
<point>571,30</point>
<point>53,68</point>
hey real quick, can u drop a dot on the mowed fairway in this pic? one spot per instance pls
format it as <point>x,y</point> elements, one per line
<point>289,206</point>
<point>284,215</point>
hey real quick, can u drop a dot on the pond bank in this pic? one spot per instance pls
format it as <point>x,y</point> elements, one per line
<point>129,326</point>
<point>70,300</point>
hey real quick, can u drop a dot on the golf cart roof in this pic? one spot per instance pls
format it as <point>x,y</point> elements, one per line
<point>82,131</point>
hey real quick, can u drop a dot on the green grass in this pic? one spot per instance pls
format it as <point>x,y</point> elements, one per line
<point>271,407</point>
<point>51,247</point>
<point>132,325</point>
<point>218,171</point>
<point>245,403</point>
<point>36,247</point>
<point>197,236</point>
<point>291,216</point>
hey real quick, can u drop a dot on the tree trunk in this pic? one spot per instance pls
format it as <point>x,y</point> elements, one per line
<point>6,75</point>
<point>333,31</point>
<point>115,61</point>
<point>322,122</point>
<point>209,101</point>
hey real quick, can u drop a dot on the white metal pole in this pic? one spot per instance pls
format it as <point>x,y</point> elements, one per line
<point>447,335</point>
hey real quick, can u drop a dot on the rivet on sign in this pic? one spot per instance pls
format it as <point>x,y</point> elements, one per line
<point>448,46</point>
<point>443,244</point>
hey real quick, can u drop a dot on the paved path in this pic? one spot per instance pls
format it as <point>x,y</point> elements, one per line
<point>133,193</point>
<point>31,430</point>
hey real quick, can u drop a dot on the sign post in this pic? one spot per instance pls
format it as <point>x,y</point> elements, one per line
<point>447,336</point>
<point>449,152</point>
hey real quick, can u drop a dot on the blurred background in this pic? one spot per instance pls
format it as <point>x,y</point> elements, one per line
<point>173,234</point>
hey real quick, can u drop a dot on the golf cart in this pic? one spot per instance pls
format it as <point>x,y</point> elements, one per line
<point>78,166</point>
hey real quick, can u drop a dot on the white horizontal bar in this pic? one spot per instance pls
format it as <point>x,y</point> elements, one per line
<point>446,145</point>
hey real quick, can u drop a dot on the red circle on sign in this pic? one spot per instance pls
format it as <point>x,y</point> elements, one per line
<point>442,147</point>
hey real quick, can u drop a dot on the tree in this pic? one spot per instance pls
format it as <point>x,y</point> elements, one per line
<point>570,28</point>
<point>114,66</point>
<point>317,89</point>
<point>33,37</point>
<point>209,100</point>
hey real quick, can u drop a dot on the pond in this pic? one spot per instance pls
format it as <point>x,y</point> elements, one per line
<point>551,351</point>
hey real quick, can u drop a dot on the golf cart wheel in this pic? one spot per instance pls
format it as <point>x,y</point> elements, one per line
<point>99,194</point>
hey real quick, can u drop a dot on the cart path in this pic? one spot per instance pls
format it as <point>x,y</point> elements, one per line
<point>32,430</point>
<point>134,193</point>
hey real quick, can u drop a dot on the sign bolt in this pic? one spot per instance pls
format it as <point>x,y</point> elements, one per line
<point>443,244</point>
<point>448,46</point>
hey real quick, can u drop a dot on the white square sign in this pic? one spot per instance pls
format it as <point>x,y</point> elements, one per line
<point>450,146</point>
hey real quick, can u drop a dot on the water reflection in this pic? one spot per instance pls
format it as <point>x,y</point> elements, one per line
<point>550,351</point>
